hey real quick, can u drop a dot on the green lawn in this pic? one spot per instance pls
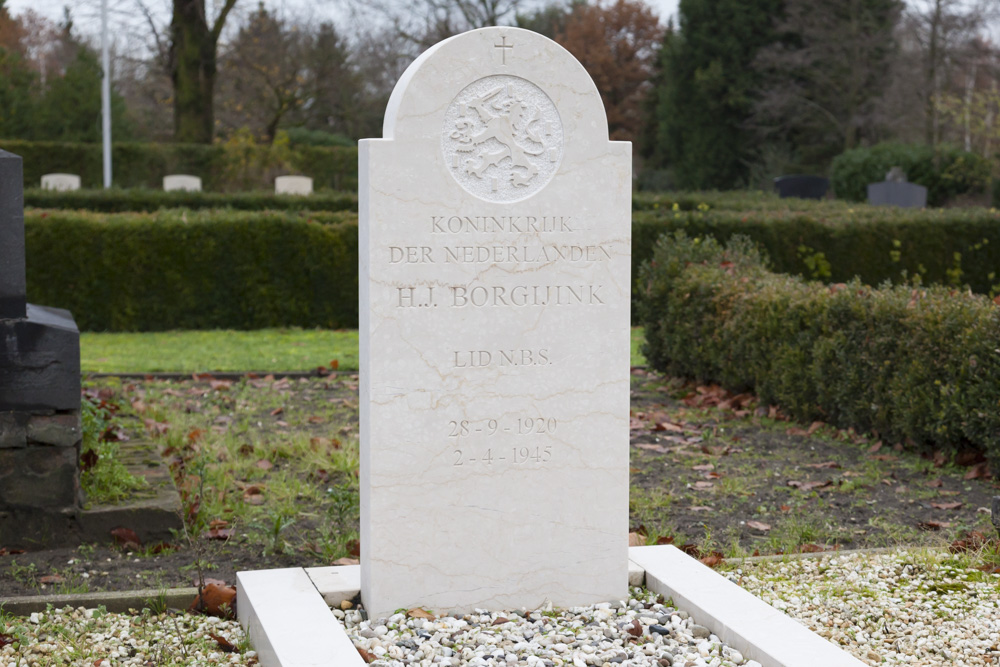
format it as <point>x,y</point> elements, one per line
<point>266,350</point>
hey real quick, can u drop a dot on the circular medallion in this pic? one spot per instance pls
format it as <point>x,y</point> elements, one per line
<point>502,139</point>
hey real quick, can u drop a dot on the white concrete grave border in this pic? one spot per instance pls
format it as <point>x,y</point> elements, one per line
<point>286,613</point>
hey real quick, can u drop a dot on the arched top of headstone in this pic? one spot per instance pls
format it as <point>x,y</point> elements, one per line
<point>501,109</point>
<point>436,80</point>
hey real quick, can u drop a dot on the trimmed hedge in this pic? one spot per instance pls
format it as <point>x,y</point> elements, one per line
<point>731,200</point>
<point>836,244</point>
<point>143,165</point>
<point>946,171</point>
<point>141,199</point>
<point>180,269</point>
<point>915,366</point>
<point>832,243</point>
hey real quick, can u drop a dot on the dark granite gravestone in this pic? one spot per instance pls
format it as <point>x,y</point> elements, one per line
<point>40,431</point>
<point>802,186</point>
<point>895,191</point>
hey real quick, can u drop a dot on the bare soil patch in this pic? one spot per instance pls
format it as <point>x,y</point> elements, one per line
<point>267,470</point>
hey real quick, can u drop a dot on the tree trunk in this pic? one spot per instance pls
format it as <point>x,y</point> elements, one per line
<point>192,70</point>
<point>931,110</point>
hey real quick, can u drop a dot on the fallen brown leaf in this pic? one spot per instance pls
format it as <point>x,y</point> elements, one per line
<point>826,465</point>
<point>365,655</point>
<point>224,644</point>
<point>264,464</point>
<point>810,548</point>
<point>758,525</point>
<point>703,486</point>
<point>417,612</point>
<point>126,538</point>
<point>636,540</point>
<point>353,548</point>
<point>933,525</point>
<point>705,467</point>
<point>215,600</point>
<point>702,508</point>
<point>712,559</point>
<point>52,579</point>
<point>668,426</point>
<point>978,471</point>
<point>815,426</point>
<point>947,506</point>
<point>808,486</point>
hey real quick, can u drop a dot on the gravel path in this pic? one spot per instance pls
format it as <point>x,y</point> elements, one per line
<point>916,607</point>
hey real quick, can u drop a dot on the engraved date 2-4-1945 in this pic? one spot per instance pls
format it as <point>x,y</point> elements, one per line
<point>498,456</point>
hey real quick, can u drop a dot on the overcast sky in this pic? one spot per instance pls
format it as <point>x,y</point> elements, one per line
<point>86,13</point>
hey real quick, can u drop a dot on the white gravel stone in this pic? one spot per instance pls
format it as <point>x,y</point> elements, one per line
<point>597,635</point>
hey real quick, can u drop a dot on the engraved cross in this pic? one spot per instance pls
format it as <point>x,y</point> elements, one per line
<point>503,46</point>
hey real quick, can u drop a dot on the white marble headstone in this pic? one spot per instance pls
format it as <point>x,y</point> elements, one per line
<point>181,182</point>
<point>494,280</point>
<point>61,182</point>
<point>293,185</point>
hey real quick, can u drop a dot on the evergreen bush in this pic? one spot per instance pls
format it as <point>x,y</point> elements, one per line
<point>946,172</point>
<point>909,365</point>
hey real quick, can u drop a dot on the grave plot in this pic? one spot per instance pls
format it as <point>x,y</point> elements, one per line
<point>494,252</point>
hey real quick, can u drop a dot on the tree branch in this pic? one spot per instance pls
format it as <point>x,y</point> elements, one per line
<point>220,20</point>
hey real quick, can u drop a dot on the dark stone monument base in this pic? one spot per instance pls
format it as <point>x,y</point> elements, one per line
<point>40,431</point>
<point>40,361</point>
<point>153,513</point>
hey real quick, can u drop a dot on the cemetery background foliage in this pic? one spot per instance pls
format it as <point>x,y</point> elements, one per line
<point>726,94</point>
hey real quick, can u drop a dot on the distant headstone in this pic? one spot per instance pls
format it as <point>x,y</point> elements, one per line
<point>895,191</point>
<point>802,186</point>
<point>39,391</point>
<point>181,182</point>
<point>494,278</point>
<point>895,175</point>
<point>293,185</point>
<point>61,182</point>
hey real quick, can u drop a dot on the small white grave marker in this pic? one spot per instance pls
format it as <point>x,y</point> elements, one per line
<point>494,278</point>
<point>61,182</point>
<point>181,182</point>
<point>293,185</point>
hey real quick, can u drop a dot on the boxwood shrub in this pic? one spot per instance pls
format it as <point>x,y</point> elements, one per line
<point>919,366</point>
<point>181,269</point>
<point>941,246</point>
<point>141,199</point>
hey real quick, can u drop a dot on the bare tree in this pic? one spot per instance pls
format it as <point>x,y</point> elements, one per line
<point>193,46</point>
<point>825,75</point>
<point>423,23</point>
<point>940,30</point>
